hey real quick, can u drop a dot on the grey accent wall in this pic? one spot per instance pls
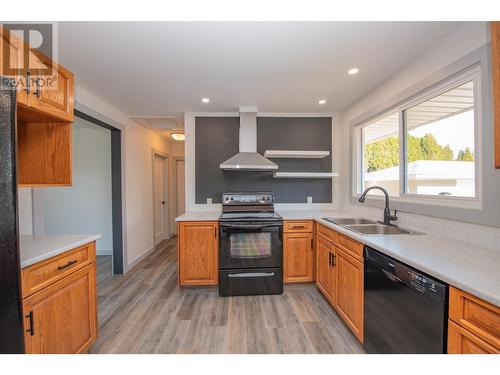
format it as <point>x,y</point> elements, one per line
<point>217,140</point>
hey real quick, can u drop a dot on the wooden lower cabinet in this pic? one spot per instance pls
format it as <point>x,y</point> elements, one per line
<point>61,318</point>
<point>474,325</point>
<point>298,257</point>
<point>198,253</point>
<point>326,272</point>
<point>350,296</point>
<point>461,341</point>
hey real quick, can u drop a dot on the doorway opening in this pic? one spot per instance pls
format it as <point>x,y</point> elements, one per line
<point>161,204</point>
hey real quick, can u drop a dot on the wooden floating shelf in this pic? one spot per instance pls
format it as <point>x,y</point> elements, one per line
<point>304,174</point>
<point>291,154</point>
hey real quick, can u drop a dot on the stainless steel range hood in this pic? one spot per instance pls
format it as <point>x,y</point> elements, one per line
<point>248,159</point>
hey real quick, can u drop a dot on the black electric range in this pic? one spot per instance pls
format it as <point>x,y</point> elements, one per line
<point>250,245</point>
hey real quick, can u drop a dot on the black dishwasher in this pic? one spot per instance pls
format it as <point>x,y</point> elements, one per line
<point>405,309</point>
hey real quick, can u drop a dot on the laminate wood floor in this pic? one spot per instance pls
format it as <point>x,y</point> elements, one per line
<point>145,311</point>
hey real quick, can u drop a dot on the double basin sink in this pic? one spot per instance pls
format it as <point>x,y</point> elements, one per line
<point>367,227</point>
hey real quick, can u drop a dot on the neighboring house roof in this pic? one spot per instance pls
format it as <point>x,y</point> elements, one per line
<point>427,170</point>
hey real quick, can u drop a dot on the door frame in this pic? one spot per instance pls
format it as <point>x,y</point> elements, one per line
<point>166,191</point>
<point>116,190</point>
<point>176,160</point>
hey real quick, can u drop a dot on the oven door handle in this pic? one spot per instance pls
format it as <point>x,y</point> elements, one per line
<point>251,274</point>
<point>240,226</point>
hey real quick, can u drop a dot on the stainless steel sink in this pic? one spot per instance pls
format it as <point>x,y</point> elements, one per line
<point>349,221</point>
<point>378,229</point>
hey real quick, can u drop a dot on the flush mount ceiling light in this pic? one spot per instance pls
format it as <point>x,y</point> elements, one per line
<point>205,100</point>
<point>353,71</point>
<point>321,101</point>
<point>178,136</point>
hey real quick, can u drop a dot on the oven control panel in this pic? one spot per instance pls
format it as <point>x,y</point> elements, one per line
<point>257,198</point>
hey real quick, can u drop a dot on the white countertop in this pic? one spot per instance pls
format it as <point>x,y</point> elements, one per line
<point>471,268</point>
<point>34,249</point>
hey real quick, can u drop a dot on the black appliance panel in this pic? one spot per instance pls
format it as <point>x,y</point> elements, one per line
<point>250,244</point>
<point>405,310</point>
<point>246,282</point>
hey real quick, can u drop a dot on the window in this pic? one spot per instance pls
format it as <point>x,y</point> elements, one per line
<point>424,148</point>
<point>380,156</point>
<point>440,144</point>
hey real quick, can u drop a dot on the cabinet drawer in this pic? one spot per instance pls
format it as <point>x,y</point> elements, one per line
<point>479,317</point>
<point>298,226</point>
<point>326,233</point>
<point>461,341</point>
<point>42,274</point>
<point>350,246</point>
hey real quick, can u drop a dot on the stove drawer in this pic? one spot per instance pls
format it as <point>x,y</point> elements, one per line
<point>246,282</point>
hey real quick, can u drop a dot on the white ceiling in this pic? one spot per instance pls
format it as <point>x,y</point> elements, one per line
<point>165,68</point>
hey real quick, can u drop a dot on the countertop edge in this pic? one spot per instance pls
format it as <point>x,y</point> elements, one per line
<point>62,249</point>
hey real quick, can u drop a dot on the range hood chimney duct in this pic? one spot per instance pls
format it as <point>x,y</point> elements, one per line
<point>248,159</point>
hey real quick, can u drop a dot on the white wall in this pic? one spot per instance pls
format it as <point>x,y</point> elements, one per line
<point>25,211</point>
<point>137,174</point>
<point>465,39</point>
<point>86,206</point>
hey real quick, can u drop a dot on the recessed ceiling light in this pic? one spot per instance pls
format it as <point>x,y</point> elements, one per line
<point>205,100</point>
<point>353,71</point>
<point>321,101</point>
<point>178,136</point>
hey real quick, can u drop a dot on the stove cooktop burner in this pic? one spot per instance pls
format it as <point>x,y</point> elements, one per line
<point>250,215</point>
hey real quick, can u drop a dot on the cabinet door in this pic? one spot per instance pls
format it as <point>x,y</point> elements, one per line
<point>13,60</point>
<point>53,95</point>
<point>326,269</point>
<point>44,154</point>
<point>298,257</point>
<point>350,299</point>
<point>62,318</point>
<point>198,253</point>
<point>461,341</point>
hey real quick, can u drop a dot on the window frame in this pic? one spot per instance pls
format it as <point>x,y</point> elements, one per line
<point>471,74</point>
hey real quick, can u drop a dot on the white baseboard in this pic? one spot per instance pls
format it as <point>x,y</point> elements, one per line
<point>132,264</point>
<point>103,252</point>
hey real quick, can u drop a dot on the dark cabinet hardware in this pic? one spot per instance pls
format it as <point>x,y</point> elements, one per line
<point>330,259</point>
<point>32,327</point>
<point>162,202</point>
<point>312,244</point>
<point>67,265</point>
<point>37,92</point>
<point>215,231</point>
<point>298,227</point>
<point>28,83</point>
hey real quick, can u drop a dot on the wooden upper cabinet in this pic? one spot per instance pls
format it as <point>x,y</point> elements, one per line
<point>44,154</point>
<point>298,257</point>
<point>326,277</point>
<point>350,292</point>
<point>53,95</point>
<point>198,253</point>
<point>62,318</point>
<point>41,97</point>
<point>495,53</point>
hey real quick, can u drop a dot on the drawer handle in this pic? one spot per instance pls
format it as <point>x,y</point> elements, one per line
<point>251,274</point>
<point>32,327</point>
<point>298,227</point>
<point>70,263</point>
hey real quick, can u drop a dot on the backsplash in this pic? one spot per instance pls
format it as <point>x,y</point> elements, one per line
<point>217,139</point>
<point>479,235</point>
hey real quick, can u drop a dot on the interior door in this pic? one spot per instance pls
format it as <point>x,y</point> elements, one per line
<point>160,217</point>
